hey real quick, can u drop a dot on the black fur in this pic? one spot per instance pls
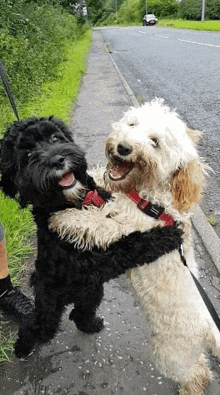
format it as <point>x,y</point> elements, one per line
<point>36,154</point>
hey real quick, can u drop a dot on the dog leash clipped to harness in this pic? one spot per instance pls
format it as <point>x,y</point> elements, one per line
<point>8,89</point>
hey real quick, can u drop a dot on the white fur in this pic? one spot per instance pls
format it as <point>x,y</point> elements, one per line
<point>182,328</point>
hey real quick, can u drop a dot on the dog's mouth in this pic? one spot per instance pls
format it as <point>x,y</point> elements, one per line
<point>67,181</point>
<point>119,170</point>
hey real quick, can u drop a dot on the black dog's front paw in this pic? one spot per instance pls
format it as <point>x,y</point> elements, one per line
<point>23,349</point>
<point>87,324</point>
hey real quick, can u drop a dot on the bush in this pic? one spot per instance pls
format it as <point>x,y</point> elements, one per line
<point>192,9</point>
<point>32,44</point>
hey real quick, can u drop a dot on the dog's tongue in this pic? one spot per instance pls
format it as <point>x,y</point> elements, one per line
<point>119,171</point>
<point>67,180</point>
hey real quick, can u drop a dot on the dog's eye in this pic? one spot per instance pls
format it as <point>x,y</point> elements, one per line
<point>29,153</point>
<point>155,141</point>
<point>55,138</point>
<point>131,124</point>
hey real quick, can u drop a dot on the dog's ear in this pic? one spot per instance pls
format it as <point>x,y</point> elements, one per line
<point>187,184</point>
<point>194,135</point>
<point>7,163</point>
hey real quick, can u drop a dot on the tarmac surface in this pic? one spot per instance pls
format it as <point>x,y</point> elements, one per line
<point>118,359</point>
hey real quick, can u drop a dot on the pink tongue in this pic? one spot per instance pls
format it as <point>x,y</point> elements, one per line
<point>67,180</point>
<point>120,170</point>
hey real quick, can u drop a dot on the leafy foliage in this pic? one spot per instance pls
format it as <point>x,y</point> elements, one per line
<point>192,9</point>
<point>132,11</point>
<point>33,35</point>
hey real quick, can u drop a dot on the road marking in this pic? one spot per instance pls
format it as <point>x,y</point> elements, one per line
<point>195,42</point>
<point>179,39</point>
<point>158,35</point>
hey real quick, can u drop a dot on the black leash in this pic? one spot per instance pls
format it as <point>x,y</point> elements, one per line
<point>8,89</point>
<point>203,294</point>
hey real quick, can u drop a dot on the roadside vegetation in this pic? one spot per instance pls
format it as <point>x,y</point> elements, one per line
<point>184,15</point>
<point>193,25</point>
<point>43,47</point>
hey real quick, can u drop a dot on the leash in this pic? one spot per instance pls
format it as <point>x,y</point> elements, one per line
<point>8,89</point>
<point>203,294</point>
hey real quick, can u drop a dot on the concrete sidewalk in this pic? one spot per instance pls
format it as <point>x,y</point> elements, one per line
<point>118,359</point>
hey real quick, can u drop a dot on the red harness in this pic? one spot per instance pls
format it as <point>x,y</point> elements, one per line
<point>153,210</point>
<point>92,198</point>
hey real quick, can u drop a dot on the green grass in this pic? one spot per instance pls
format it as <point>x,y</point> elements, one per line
<point>57,98</point>
<point>194,25</point>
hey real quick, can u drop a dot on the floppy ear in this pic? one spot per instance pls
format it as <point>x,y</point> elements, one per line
<point>8,165</point>
<point>194,135</point>
<point>187,184</point>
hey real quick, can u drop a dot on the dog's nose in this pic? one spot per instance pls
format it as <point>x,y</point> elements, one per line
<point>124,149</point>
<point>57,161</point>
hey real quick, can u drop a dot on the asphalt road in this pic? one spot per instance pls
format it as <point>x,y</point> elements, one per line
<point>183,68</point>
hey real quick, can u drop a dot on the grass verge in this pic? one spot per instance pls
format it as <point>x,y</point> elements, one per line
<point>193,25</point>
<point>57,98</point>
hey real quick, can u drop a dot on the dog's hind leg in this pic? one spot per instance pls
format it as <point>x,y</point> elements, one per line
<point>84,312</point>
<point>198,379</point>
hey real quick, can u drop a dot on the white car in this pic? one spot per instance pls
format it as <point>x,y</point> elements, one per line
<point>149,19</point>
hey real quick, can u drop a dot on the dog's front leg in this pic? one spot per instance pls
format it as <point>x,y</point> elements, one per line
<point>84,312</point>
<point>26,337</point>
<point>41,326</point>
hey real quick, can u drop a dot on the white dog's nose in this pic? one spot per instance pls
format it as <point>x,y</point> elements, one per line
<point>124,148</point>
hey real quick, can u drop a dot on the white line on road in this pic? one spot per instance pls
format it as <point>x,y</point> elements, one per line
<point>194,42</point>
<point>179,39</point>
<point>158,35</point>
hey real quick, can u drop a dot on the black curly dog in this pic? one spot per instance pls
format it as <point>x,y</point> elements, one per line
<point>41,162</point>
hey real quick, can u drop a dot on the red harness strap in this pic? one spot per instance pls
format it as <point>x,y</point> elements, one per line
<point>150,209</point>
<point>92,198</point>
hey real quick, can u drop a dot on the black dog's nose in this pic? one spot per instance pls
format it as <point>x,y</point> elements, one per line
<point>124,149</point>
<point>57,161</point>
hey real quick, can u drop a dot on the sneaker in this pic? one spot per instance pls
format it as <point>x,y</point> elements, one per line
<point>15,303</point>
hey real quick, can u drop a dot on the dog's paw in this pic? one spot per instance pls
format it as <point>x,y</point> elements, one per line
<point>96,325</point>
<point>22,349</point>
<point>93,325</point>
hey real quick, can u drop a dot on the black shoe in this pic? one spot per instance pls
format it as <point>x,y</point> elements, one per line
<point>15,303</point>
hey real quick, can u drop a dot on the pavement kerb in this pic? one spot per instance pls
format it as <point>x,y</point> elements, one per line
<point>209,237</point>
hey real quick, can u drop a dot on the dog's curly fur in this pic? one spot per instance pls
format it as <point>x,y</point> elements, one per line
<point>41,162</point>
<point>152,150</point>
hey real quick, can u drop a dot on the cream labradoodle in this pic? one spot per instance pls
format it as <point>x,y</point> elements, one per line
<point>152,153</point>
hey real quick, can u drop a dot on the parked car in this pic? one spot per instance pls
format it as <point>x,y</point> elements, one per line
<point>149,19</point>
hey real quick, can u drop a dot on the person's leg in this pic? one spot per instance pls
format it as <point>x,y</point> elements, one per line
<point>12,300</point>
